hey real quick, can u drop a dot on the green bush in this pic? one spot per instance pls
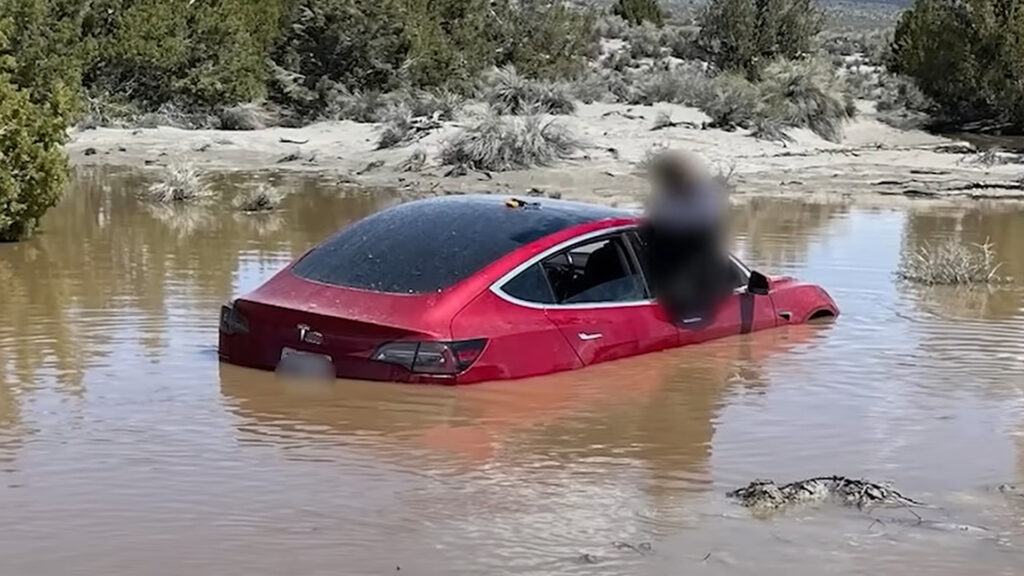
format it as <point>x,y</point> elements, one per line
<point>33,167</point>
<point>332,47</point>
<point>732,101</point>
<point>746,35</point>
<point>636,12</point>
<point>197,53</point>
<point>967,56</point>
<point>543,38</point>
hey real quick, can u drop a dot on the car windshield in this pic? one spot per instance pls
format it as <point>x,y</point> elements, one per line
<point>429,245</point>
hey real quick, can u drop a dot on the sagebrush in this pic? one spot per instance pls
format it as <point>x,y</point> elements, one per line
<point>496,142</point>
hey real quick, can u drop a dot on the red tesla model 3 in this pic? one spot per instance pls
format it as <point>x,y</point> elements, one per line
<point>460,289</point>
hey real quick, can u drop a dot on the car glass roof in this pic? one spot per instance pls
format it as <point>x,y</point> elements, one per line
<point>428,245</point>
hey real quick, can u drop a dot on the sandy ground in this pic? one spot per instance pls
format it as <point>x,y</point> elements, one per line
<point>875,163</point>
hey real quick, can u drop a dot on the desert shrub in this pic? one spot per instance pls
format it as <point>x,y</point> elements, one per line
<point>445,104</point>
<point>732,101</point>
<point>900,102</point>
<point>397,129</point>
<point>202,53</point>
<point>807,93</point>
<point>619,61</point>
<point>335,48</point>
<point>180,183</point>
<point>686,83</point>
<point>611,26</point>
<point>680,42</point>
<point>594,86</point>
<point>509,93</point>
<point>649,41</point>
<point>542,38</point>
<point>499,143</point>
<point>645,41</point>
<point>745,35</point>
<point>637,12</point>
<point>950,263</point>
<point>259,198</point>
<point>966,56</point>
<point>771,129</point>
<point>452,41</point>
<point>331,49</point>
<point>243,117</point>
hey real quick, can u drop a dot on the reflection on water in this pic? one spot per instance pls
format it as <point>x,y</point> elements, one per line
<point>126,448</point>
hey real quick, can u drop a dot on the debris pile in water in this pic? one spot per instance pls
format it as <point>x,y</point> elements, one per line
<point>766,495</point>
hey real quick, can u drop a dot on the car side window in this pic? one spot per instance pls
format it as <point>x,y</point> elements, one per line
<point>596,272</point>
<point>738,275</point>
<point>530,285</point>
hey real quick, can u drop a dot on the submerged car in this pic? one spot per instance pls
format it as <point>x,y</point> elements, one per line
<point>462,289</point>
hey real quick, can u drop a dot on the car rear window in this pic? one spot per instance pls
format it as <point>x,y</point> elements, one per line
<point>428,245</point>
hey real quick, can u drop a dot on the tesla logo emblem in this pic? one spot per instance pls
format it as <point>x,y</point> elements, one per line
<point>584,336</point>
<point>309,336</point>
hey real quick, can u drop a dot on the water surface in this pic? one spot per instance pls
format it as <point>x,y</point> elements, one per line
<point>125,448</point>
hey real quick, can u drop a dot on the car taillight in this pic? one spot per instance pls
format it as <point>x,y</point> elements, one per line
<point>431,357</point>
<point>232,321</point>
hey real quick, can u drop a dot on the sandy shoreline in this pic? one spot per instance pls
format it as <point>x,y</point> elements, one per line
<point>874,164</point>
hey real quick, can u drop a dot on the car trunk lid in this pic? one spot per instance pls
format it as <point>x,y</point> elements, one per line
<point>346,325</point>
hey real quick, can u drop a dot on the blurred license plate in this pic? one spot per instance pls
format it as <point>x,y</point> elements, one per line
<point>305,364</point>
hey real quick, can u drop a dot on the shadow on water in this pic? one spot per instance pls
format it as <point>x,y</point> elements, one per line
<point>123,442</point>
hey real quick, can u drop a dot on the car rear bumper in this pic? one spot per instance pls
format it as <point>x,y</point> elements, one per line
<point>241,350</point>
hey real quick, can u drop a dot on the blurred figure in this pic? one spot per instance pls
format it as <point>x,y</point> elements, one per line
<point>684,230</point>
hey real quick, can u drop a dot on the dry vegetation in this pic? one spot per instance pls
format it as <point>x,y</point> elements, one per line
<point>261,197</point>
<point>180,183</point>
<point>951,263</point>
<point>496,142</point>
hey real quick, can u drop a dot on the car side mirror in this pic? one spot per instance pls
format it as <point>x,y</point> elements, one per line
<point>758,283</point>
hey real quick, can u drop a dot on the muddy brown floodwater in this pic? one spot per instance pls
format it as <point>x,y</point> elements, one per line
<point>126,449</point>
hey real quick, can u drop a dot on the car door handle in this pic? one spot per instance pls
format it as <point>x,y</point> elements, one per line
<point>585,336</point>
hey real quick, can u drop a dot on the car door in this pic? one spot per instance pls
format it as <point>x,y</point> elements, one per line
<point>739,313</point>
<point>602,305</point>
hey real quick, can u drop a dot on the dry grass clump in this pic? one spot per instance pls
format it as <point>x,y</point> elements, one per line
<point>685,83</point>
<point>496,142</point>
<point>372,106</point>
<point>259,198</point>
<point>792,93</point>
<point>807,93</point>
<point>180,183</point>
<point>415,161</point>
<point>243,117</point>
<point>508,92</point>
<point>951,263</point>
<point>398,127</point>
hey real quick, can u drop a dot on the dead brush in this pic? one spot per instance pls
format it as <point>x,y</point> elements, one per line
<point>181,183</point>
<point>259,198</point>
<point>951,263</point>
